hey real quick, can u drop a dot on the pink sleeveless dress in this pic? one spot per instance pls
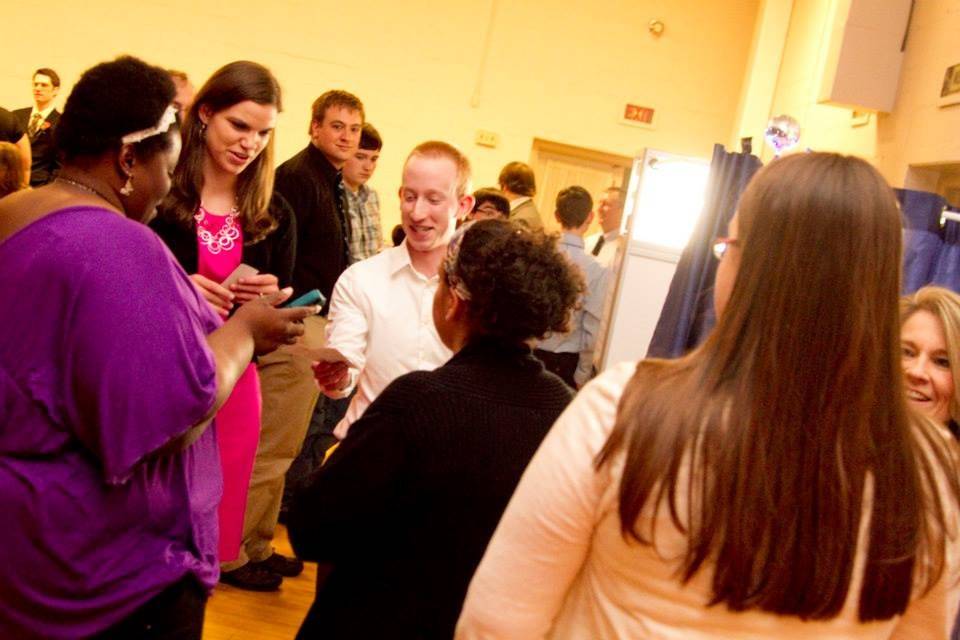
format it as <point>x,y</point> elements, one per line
<point>220,250</point>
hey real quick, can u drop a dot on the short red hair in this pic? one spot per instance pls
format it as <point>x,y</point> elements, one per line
<point>438,149</point>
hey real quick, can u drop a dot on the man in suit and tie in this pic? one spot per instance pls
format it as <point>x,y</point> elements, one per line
<point>518,184</point>
<point>39,122</point>
<point>603,245</point>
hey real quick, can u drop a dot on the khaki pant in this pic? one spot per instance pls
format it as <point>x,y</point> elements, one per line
<point>289,396</point>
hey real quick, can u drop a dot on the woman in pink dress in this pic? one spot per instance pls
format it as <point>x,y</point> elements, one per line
<point>221,212</point>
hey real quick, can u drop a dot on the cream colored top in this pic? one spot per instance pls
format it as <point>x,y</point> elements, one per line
<point>558,566</point>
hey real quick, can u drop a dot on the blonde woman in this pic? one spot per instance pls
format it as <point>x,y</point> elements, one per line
<point>930,341</point>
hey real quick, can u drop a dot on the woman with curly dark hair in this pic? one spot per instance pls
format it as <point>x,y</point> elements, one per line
<point>404,507</point>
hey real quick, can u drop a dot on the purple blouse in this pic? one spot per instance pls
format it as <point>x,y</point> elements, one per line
<point>103,359</point>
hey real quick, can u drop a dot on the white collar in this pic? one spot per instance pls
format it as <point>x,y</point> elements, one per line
<point>519,201</point>
<point>572,239</point>
<point>399,257</point>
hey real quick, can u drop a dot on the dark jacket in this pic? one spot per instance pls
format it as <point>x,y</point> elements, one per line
<point>45,162</point>
<point>273,254</point>
<point>312,186</point>
<point>404,508</point>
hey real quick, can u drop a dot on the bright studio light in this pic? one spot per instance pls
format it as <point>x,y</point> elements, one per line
<point>670,201</point>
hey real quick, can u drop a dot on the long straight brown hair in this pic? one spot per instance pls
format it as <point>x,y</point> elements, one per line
<point>790,418</point>
<point>231,84</point>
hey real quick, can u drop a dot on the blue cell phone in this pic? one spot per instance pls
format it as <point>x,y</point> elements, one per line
<point>309,298</point>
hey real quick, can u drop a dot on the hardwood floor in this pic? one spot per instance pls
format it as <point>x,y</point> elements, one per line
<point>234,614</point>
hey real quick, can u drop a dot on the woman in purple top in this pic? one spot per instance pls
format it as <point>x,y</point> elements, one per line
<point>111,367</point>
<point>219,214</point>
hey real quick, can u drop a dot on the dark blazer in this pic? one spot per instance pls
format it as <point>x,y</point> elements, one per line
<point>274,254</point>
<point>312,186</point>
<point>46,162</point>
<point>405,506</point>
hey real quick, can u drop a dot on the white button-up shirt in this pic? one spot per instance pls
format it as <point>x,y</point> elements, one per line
<point>381,319</point>
<point>611,240</point>
<point>44,113</point>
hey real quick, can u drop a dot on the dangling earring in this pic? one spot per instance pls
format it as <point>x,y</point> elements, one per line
<point>127,188</point>
<point>203,128</point>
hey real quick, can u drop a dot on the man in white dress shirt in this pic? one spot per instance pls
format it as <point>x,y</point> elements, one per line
<point>603,245</point>
<point>381,316</point>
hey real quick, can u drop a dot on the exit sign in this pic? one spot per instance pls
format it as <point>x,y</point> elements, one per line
<point>638,115</point>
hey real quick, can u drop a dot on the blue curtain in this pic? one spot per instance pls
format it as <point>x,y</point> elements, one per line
<point>922,236</point>
<point>931,249</point>
<point>947,271</point>
<point>687,315</point>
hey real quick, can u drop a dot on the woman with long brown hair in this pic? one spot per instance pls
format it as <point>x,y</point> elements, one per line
<point>222,212</point>
<point>772,483</point>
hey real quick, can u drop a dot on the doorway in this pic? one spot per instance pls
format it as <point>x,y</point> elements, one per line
<point>558,166</point>
<point>942,179</point>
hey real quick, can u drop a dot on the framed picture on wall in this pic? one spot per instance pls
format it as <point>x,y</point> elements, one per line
<point>950,91</point>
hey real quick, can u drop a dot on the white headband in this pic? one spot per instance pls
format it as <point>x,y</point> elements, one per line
<point>451,262</point>
<point>168,118</point>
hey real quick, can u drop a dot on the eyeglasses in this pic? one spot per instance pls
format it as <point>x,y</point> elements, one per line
<point>720,246</point>
<point>488,209</point>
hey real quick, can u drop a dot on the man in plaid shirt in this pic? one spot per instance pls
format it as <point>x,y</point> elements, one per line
<point>363,205</point>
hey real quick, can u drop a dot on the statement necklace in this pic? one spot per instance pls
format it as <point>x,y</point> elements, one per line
<point>226,236</point>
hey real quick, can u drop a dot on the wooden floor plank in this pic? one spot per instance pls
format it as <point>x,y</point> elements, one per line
<point>235,614</point>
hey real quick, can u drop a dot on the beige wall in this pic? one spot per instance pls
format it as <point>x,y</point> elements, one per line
<point>918,131</point>
<point>824,127</point>
<point>763,71</point>
<point>560,70</point>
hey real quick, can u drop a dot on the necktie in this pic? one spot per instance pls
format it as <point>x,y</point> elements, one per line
<point>598,246</point>
<point>34,124</point>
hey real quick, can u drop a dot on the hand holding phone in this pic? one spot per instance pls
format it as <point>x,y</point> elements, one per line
<point>312,297</point>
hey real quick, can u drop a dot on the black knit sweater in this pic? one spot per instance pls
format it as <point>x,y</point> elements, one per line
<point>404,508</point>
